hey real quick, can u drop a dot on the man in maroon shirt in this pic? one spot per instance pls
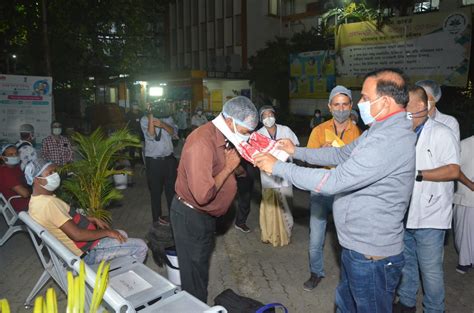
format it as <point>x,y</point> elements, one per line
<point>12,182</point>
<point>206,187</point>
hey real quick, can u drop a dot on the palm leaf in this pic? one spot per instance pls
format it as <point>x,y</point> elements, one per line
<point>89,185</point>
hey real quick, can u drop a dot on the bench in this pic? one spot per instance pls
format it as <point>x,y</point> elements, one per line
<point>133,287</point>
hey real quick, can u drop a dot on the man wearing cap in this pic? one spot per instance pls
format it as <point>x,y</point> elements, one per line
<point>90,238</point>
<point>56,148</point>
<point>430,211</point>
<point>276,220</point>
<point>12,180</point>
<point>26,149</point>
<point>206,187</point>
<point>372,183</point>
<point>323,135</point>
<point>433,90</point>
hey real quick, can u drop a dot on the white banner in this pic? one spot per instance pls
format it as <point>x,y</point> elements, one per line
<point>427,46</point>
<point>25,100</point>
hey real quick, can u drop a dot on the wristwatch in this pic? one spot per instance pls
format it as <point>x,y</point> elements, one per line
<point>419,177</point>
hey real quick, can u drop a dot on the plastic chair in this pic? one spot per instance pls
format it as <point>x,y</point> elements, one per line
<point>11,217</point>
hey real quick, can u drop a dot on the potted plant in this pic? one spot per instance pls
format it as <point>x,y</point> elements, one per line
<point>90,184</point>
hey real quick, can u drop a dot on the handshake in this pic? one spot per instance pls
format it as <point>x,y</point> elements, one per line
<point>263,152</point>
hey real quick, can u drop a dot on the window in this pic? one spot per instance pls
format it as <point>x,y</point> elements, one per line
<point>238,30</point>
<point>229,8</point>
<point>425,6</point>
<point>273,7</point>
<point>467,2</point>
<point>195,12</point>
<point>220,33</point>
<point>211,10</point>
<point>203,35</point>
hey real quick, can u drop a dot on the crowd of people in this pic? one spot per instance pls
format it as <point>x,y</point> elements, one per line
<point>390,189</point>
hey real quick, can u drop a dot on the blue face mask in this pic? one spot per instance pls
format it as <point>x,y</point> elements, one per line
<point>364,108</point>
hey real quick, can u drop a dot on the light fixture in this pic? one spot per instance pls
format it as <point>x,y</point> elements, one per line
<point>156,91</point>
<point>14,56</point>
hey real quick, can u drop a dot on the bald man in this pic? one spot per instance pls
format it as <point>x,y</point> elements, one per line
<point>372,184</point>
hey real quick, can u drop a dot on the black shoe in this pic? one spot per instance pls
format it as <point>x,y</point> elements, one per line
<point>312,282</point>
<point>400,308</point>
<point>243,228</point>
<point>463,269</point>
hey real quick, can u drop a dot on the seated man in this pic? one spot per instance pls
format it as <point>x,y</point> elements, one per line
<point>26,145</point>
<point>12,182</point>
<point>88,237</point>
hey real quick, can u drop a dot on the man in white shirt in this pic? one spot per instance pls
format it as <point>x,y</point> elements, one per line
<point>198,119</point>
<point>433,91</point>
<point>430,211</point>
<point>464,209</point>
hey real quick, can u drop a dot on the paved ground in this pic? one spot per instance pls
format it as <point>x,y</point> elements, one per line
<point>240,261</point>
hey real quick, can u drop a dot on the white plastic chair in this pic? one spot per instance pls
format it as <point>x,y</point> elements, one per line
<point>11,217</point>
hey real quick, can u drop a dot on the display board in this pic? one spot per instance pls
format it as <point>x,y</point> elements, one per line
<point>427,46</point>
<point>25,100</point>
<point>312,74</point>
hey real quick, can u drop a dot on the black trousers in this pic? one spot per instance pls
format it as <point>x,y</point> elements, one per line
<point>161,174</point>
<point>244,193</point>
<point>194,239</point>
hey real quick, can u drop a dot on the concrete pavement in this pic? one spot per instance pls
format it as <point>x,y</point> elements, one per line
<point>240,261</point>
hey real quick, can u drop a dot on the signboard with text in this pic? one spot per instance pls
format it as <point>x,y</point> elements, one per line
<point>25,100</point>
<point>428,46</point>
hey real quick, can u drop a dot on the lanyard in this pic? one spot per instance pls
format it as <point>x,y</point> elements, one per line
<point>342,133</point>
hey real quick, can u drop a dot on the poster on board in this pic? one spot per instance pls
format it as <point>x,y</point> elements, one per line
<point>427,46</point>
<point>312,74</point>
<point>25,100</point>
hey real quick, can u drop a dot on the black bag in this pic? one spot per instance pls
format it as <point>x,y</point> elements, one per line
<point>159,239</point>
<point>238,304</point>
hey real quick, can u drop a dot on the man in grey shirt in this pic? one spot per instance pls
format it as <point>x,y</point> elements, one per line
<point>159,161</point>
<point>372,184</point>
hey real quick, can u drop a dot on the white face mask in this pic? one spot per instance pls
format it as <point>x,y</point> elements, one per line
<point>364,108</point>
<point>52,182</point>
<point>240,137</point>
<point>57,131</point>
<point>269,121</point>
<point>12,160</point>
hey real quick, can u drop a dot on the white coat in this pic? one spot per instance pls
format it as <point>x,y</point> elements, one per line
<point>431,202</point>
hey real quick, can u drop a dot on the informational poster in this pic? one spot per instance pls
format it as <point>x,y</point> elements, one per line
<point>428,46</point>
<point>25,100</point>
<point>216,100</point>
<point>312,74</point>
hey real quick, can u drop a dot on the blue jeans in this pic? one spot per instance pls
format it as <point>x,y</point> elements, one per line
<point>424,253</point>
<point>367,285</point>
<point>110,248</point>
<point>321,206</point>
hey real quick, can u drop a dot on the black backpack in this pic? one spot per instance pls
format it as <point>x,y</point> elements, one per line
<point>240,304</point>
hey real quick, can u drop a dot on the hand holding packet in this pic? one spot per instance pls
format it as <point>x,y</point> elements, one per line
<point>259,143</point>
